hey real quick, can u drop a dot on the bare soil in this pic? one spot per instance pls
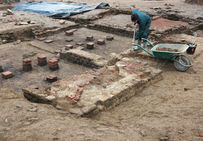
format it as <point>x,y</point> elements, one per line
<point>11,57</point>
<point>171,108</point>
<point>167,49</point>
<point>117,45</point>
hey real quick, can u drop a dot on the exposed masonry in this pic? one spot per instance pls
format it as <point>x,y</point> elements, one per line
<point>83,58</point>
<point>93,91</point>
<point>108,83</point>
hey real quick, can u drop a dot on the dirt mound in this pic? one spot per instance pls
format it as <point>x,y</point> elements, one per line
<point>194,2</point>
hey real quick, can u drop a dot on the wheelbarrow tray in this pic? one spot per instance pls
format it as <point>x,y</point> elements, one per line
<point>168,54</point>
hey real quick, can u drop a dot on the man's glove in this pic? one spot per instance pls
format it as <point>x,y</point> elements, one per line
<point>136,38</point>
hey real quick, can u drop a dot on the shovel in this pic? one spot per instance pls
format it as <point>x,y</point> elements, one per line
<point>133,40</point>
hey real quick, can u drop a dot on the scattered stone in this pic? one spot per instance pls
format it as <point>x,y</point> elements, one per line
<point>143,133</point>
<point>89,108</point>
<point>50,97</point>
<point>100,107</point>
<point>69,32</point>
<point>1,68</point>
<point>80,48</point>
<point>100,41</point>
<point>156,8</point>
<point>109,38</point>
<point>168,7</point>
<point>33,87</point>
<point>183,40</point>
<point>4,41</point>
<point>32,22</point>
<point>180,131</point>
<point>48,41</point>
<point>69,40</point>
<point>164,139</point>
<point>27,64</point>
<point>32,119</point>
<point>104,85</point>
<point>79,43</point>
<point>18,41</point>
<point>186,89</point>
<point>30,54</point>
<point>75,111</point>
<point>67,47</point>
<point>41,39</point>
<point>51,78</point>
<point>33,109</point>
<point>90,45</point>
<point>89,38</point>
<point>55,139</point>
<point>42,60</point>
<point>6,120</point>
<point>62,21</point>
<point>6,129</point>
<point>57,56</point>
<point>9,12</point>
<point>23,23</point>
<point>53,64</point>
<point>7,75</point>
<point>57,51</point>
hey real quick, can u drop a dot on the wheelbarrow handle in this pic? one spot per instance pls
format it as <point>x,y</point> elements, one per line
<point>148,41</point>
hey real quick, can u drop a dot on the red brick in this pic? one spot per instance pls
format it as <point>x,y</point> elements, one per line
<point>27,61</point>
<point>70,32</point>
<point>90,45</point>
<point>27,64</point>
<point>42,57</point>
<point>53,61</point>
<point>7,74</point>
<point>53,64</point>
<point>42,60</point>
<point>89,38</point>
<point>101,41</point>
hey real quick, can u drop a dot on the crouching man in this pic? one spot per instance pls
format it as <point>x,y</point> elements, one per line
<point>144,22</point>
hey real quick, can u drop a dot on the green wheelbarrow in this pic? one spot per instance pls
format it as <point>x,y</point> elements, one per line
<point>172,52</point>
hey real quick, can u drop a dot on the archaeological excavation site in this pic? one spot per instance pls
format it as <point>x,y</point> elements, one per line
<point>74,76</point>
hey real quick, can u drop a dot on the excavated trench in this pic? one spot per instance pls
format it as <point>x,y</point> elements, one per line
<point>52,41</point>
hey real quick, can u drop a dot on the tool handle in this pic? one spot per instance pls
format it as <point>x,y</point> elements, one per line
<point>134,33</point>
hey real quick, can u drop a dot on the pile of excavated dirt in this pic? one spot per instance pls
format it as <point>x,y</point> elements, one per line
<point>194,1</point>
<point>167,49</point>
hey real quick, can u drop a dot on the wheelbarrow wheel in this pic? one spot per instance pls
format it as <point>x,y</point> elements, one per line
<point>182,63</point>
